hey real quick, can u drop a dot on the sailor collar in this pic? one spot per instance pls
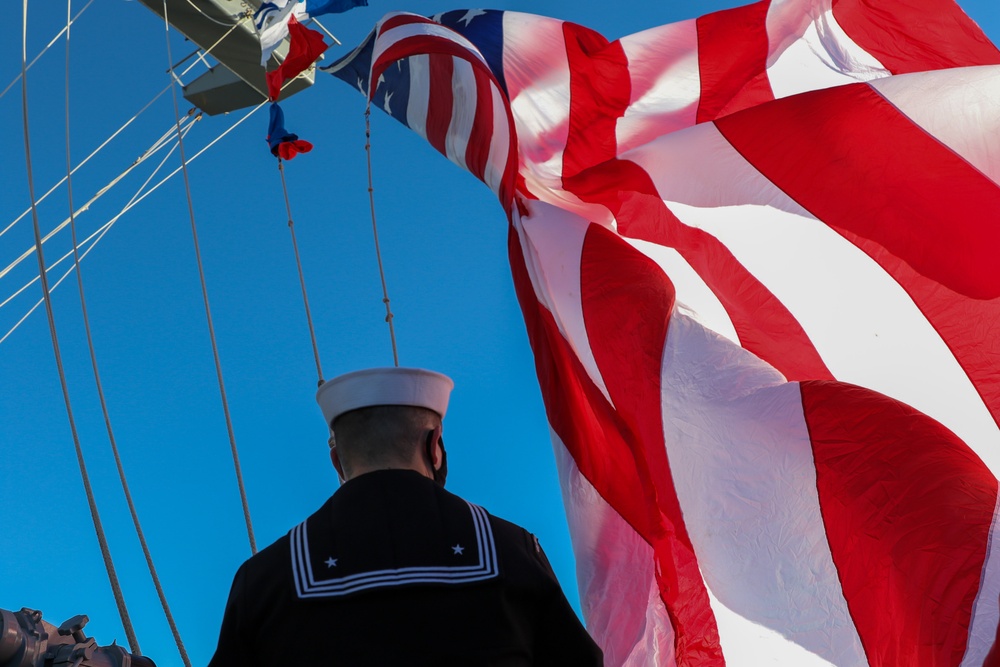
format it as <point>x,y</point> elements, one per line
<point>392,530</point>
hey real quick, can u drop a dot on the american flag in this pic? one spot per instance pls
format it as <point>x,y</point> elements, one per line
<point>755,252</point>
<point>431,77</point>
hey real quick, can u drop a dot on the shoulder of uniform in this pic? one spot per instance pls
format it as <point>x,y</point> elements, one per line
<point>525,544</point>
<point>277,554</point>
<point>271,556</point>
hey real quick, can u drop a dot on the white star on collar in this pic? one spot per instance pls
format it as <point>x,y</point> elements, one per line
<point>458,549</point>
<point>331,562</point>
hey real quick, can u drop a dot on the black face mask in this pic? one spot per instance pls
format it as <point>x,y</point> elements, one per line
<point>441,473</point>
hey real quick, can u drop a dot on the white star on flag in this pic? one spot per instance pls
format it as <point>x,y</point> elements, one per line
<point>471,14</point>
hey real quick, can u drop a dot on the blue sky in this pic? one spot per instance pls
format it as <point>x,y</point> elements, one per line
<point>443,239</point>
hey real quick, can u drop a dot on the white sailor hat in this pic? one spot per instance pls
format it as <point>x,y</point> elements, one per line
<point>384,386</point>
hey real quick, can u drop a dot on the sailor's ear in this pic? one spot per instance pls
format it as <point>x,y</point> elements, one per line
<point>335,459</point>
<point>437,448</point>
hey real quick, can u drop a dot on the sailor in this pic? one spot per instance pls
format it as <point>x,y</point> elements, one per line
<point>393,570</point>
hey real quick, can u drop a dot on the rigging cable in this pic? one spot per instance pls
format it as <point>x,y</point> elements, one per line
<point>100,193</point>
<point>136,199</point>
<point>313,19</point>
<point>47,47</point>
<point>156,146</point>
<point>302,280</point>
<point>378,253</point>
<point>97,376</point>
<point>98,528</point>
<point>99,234</point>
<point>204,293</point>
<point>201,55</point>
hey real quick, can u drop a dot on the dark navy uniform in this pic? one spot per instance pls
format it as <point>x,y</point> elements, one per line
<point>395,571</point>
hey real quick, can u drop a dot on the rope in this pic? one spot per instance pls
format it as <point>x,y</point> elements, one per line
<point>47,47</point>
<point>156,146</point>
<point>378,252</point>
<point>100,193</point>
<point>302,280</point>
<point>95,516</point>
<point>204,293</point>
<point>136,199</point>
<point>97,376</point>
<point>101,231</point>
<point>152,148</point>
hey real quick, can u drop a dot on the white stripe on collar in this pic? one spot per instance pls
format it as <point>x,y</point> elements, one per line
<point>307,586</point>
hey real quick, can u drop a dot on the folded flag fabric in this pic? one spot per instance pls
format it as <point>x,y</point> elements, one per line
<point>271,22</point>
<point>305,47</point>
<point>284,144</point>
<point>272,18</point>
<point>806,467</point>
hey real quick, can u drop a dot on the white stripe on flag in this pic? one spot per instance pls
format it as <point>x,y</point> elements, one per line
<point>958,107</point>
<point>812,54</point>
<point>986,611</point>
<point>618,590</point>
<point>552,244</point>
<point>690,288</point>
<point>538,87</point>
<point>420,29</point>
<point>747,644</point>
<point>420,85</point>
<point>665,83</point>
<point>496,162</point>
<point>865,327</point>
<point>463,111</point>
<point>748,494</point>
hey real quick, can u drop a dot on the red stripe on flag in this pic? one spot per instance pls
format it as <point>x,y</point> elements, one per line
<point>851,159</point>
<point>477,151</point>
<point>511,176</point>
<point>627,301</point>
<point>420,45</point>
<point>915,35</point>
<point>763,323</point>
<point>600,90</point>
<point>907,508</point>
<point>891,173</point>
<point>732,60</point>
<point>403,20</point>
<point>440,100</point>
<point>598,438</point>
<point>441,47</point>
